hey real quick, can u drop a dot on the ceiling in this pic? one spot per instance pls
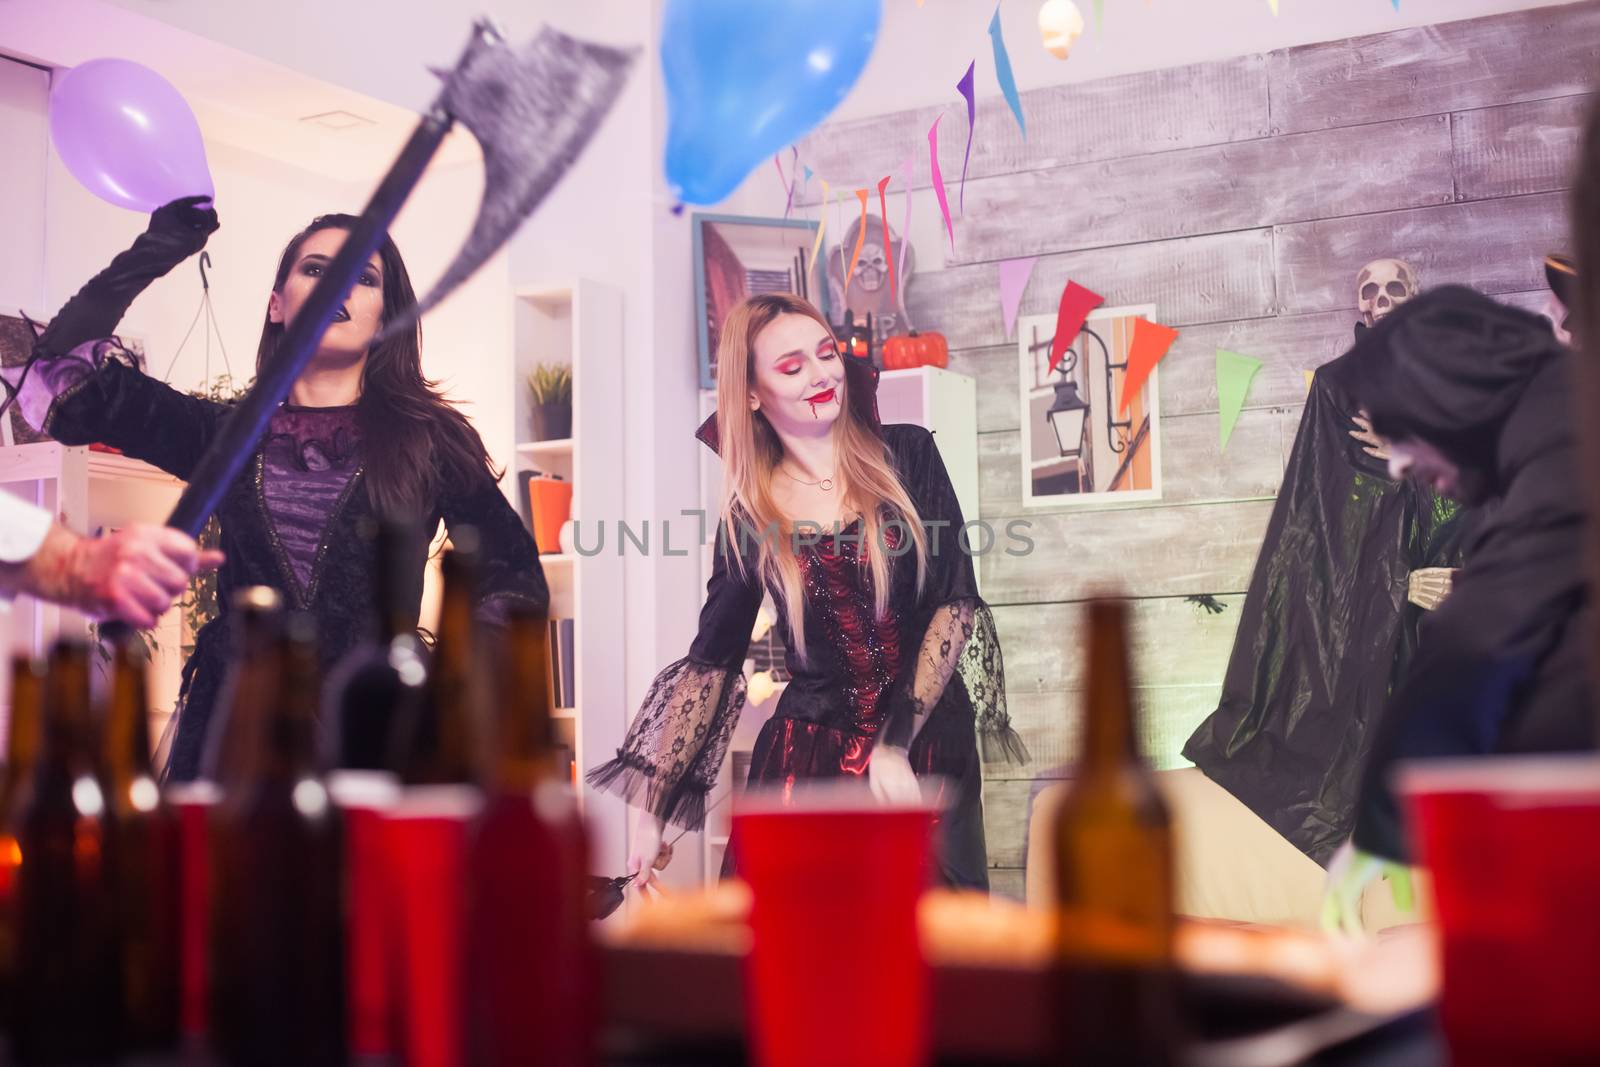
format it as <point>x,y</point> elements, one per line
<point>241,100</point>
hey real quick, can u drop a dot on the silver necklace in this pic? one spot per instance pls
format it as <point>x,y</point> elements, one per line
<point>826,484</point>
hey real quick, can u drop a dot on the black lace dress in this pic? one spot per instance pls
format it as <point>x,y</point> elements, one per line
<point>935,655</point>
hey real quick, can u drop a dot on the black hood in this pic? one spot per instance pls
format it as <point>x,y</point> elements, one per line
<point>1447,368</point>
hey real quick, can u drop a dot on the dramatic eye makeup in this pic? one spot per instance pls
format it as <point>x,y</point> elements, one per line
<point>313,265</point>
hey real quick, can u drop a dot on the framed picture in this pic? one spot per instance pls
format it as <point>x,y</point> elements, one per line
<point>1081,443</point>
<point>737,256</point>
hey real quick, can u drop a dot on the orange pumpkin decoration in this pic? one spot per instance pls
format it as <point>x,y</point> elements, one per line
<point>900,352</point>
<point>934,350</point>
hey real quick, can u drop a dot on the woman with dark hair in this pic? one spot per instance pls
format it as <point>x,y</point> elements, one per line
<point>894,660</point>
<point>363,436</point>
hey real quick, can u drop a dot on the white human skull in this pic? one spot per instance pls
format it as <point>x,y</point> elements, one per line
<point>1060,24</point>
<point>1382,286</point>
<point>873,267</point>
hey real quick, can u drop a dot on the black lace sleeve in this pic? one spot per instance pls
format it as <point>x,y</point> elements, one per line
<point>81,387</point>
<point>509,568</point>
<point>675,746</point>
<point>959,640</point>
<point>110,401</point>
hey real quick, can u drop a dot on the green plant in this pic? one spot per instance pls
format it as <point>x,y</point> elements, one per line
<point>551,383</point>
<point>144,642</point>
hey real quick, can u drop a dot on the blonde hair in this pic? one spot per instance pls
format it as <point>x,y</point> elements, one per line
<point>751,450</point>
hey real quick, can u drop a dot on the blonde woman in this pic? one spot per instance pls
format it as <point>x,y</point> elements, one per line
<point>855,530</point>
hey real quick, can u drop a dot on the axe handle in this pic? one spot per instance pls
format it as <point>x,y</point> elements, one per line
<point>242,431</point>
<point>244,428</point>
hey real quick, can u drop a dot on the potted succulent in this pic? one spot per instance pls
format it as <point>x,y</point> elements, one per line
<point>550,386</point>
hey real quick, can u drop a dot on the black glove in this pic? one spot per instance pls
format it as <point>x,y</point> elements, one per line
<point>183,225</point>
<point>177,231</point>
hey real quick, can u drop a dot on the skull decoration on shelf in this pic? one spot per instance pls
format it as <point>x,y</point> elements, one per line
<point>869,285</point>
<point>1382,286</point>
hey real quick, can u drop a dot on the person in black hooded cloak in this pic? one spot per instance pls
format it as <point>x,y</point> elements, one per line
<point>1475,398</point>
<point>1350,558</point>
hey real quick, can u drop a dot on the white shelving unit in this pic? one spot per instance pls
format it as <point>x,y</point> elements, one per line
<point>579,323</point>
<point>89,490</point>
<point>547,450</point>
<point>946,403</point>
<point>938,399</point>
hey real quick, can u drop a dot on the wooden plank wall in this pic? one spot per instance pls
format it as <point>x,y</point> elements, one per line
<point>1240,197</point>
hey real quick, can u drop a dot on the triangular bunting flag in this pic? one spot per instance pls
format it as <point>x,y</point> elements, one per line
<point>1234,375</point>
<point>1151,342</point>
<point>861,238</point>
<point>905,222</point>
<point>1002,71</point>
<point>888,245</point>
<point>1076,303</point>
<point>938,181</point>
<point>822,228</point>
<point>1311,376</point>
<point>1274,5</point>
<point>1014,275</point>
<point>964,87</point>
<point>1099,14</point>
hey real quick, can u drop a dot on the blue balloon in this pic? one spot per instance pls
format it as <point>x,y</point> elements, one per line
<point>745,78</point>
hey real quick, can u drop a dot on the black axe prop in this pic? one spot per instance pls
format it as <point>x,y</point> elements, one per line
<point>532,111</point>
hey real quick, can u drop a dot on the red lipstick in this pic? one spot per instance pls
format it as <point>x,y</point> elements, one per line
<point>824,397</point>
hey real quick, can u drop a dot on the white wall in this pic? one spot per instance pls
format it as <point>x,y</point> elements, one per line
<point>23,90</point>
<point>924,50</point>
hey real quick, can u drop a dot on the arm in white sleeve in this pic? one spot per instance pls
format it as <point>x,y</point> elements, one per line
<point>23,527</point>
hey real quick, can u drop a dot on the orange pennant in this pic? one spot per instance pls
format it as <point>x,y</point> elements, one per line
<point>888,246</point>
<point>861,237</point>
<point>1151,342</point>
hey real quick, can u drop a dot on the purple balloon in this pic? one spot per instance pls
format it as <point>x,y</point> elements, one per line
<point>127,135</point>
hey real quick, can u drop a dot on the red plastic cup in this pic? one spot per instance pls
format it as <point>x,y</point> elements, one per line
<point>534,988</point>
<point>364,797</point>
<point>193,802</point>
<point>428,833</point>
<point>835,883</point>
<point>1511,845</point>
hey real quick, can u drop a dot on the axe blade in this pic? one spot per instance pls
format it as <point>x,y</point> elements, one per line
<point>532,110</point>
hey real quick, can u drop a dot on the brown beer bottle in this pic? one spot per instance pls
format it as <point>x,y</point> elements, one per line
<point>277,957</point>
<point>144,861</point>
<point>68,969</point>
<point>22,752</point>
<point>531,964</point>
<point>250,687</point>
<point>439,740</point>
<point>1114,877</point>
<point>379,680</point>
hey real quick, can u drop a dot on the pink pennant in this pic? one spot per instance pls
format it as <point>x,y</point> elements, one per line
<point>1014,275</point>
<point>938,180</point>
<point>964,86</point>
<point>1151,342</point>
<point>1073,312</point>
<point>888,245</point>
